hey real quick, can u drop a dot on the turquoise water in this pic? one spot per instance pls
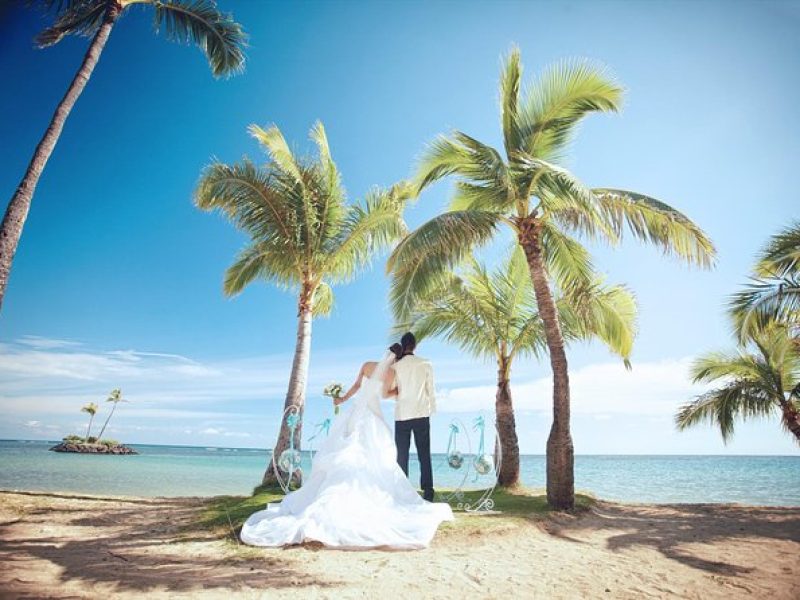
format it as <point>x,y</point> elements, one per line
<point>190,471</point>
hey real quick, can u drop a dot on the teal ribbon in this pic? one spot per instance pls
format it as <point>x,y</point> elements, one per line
<point>479,425</point>
<point>292,421</point>
<point>451,442</point>
<point>324,426</point>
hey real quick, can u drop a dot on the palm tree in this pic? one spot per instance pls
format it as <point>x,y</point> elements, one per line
<point>494,315</point>
<point>756,381</point>
<point>303,235</point>
<point>90,408</point>
<point>184,21</point>
<point>544,205</point>
<point>116,397</point>
<point>774,293</point>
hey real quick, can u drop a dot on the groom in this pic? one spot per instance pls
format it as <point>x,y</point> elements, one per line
<point>410,381</point>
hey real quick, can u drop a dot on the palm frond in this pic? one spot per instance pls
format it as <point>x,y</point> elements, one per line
<point>510,81</point>
<point>253,200</point>
<point>368,228</point>
<point>722,406</point>
<point>79,17</point>
<point>322,300</point>
<point>765,301</point>
<point>265,260</point>
<point>657,223</point>
<point>484,182</point>
<point>781,257</point>
<point>422,259</point>
<point>453,313</point>
<point>567,261</point>
<point>201,23</point>
<point>278,150</point>
<point>556,102</point>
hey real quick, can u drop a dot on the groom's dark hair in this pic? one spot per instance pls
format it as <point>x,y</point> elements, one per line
<point>408,343</point>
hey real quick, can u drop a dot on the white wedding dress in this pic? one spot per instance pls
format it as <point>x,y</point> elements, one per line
<point>356,495</point>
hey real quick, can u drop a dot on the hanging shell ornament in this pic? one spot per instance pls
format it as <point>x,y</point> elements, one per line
<point>455,459</point>
<point>289,460</point>
<point>484,464</point>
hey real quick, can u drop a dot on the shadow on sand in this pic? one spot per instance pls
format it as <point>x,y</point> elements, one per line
<point>678,531</point>
<point>138,546</point>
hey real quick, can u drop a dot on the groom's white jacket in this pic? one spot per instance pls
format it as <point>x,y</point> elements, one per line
<point>415,392</point>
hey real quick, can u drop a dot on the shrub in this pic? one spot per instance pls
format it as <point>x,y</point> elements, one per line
<point>73,438</point>
<point>109,443</point>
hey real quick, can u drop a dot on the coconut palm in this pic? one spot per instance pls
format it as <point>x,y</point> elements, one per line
<point>303,235</point>
<point>185,21</point>
<point>758,380</point>
<point>114,397</point>
<point>774,293</point>
<point>493,315</point>
<point>90,408</point>
<point>544,205</point>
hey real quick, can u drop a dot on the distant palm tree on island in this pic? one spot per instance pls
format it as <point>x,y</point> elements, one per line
<point>115,397</point>
<point>185,21</point>
<point>304,236</point>
<point>762,376</point>
<point>494,315</point>
<point>91,409</point>
<point>543,205</point>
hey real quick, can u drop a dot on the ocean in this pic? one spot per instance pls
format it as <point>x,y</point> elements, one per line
<point>197,471</point>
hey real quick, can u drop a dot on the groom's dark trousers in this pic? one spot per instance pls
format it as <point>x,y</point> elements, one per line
<point>422,440</point>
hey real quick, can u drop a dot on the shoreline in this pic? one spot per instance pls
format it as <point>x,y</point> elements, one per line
<point>56,545</point>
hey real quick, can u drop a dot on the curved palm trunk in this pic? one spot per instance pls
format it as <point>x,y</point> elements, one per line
<point>506,430</point>
<point>792,419</point>
<point>17,210</point>
<point>296,394</point>
<point>89,429</point>
<point>560,452</point>
<point>108,418</point>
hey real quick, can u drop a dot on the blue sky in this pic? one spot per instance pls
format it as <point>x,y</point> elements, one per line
<point>117,282</point>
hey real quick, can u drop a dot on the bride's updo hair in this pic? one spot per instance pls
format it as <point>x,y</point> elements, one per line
<point>397,350</point>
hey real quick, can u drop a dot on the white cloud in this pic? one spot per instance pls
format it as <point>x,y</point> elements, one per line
<point>44,343</point>
<point>653,388</point>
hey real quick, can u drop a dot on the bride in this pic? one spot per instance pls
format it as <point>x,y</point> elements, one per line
<point>356,495</point>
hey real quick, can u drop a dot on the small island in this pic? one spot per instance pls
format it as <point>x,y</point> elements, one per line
<point>74,443</point>
<point>91,444</point>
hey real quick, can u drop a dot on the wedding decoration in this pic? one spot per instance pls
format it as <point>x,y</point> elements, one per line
<point>454,457</point>
<point>483,462</point>
<point>333,391</point>
<point>289,460</point>
<point>479,464</point>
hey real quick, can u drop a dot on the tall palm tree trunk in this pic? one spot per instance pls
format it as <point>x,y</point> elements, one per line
<point>506,430</point>
<point>89,429</point>
<point>560,451</point>
<point>296,394</point>
<point>17,210</point>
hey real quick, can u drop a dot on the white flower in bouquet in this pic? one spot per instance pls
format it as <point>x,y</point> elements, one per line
<point>333,390</point>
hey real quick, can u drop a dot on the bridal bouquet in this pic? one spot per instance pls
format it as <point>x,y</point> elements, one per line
<point>334,391</point>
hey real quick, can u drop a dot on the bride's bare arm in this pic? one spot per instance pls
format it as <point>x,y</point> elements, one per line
<point>389,387</point>
<point>355,387</point>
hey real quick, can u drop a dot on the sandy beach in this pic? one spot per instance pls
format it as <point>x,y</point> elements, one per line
<point>69,546</point>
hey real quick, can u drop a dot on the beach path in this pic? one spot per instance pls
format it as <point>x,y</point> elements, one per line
<point>69,546</point>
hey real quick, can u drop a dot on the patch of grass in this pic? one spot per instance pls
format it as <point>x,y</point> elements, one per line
<point>224,514</point>
<point>518,502</point>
